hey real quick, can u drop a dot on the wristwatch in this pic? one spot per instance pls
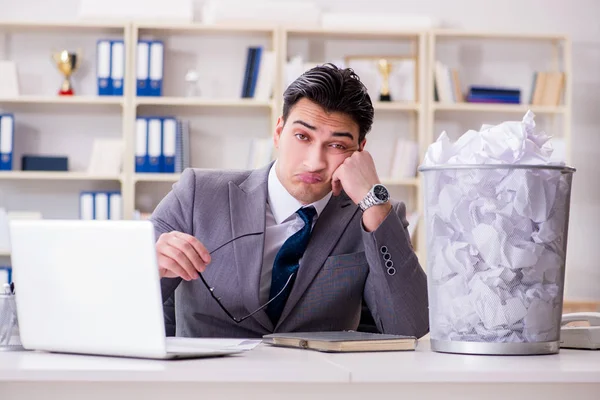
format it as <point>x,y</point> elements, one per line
<point>377,195</point>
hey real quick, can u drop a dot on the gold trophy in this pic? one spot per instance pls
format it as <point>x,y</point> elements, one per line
<point>385,68</point>
<point>67,62</point>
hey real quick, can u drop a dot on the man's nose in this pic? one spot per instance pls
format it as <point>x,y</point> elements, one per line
<point>315,159</point>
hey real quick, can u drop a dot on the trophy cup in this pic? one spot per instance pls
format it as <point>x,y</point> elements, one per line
<point>67,62</point>
<point>385,68</point>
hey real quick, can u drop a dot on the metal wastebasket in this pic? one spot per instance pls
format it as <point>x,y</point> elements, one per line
<point>496,250</point>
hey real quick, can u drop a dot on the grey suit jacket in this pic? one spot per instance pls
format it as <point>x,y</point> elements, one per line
<point>342,264</point>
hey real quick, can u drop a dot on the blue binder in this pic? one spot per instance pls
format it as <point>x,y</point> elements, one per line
<point>143,68</point>
<point>156,67</point>
<point>169,145</point>
<point>154,144</point>
<point>141,145</point>
<point>117,67</point>
<point>103,67</point>
<point>7,133</point>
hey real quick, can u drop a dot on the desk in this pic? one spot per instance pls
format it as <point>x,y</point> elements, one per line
<point>276,373</point>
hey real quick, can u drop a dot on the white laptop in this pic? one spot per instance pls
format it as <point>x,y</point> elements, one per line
<point>92,287</point>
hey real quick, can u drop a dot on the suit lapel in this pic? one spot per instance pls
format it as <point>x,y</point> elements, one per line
<point>326,233</point>
<point>247,211</point>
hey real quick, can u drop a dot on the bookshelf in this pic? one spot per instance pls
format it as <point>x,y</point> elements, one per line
<point>553,53</point>
<point>188,44</point>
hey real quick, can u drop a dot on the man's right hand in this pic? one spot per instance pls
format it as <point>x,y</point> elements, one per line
<point>181,255</point>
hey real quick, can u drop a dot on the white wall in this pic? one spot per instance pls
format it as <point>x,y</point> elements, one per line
<point>578,19</point>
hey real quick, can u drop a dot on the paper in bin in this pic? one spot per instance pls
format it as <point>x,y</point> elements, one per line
<point>495,241</point>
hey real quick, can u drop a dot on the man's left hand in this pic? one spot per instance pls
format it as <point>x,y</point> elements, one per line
<point>356,176</point>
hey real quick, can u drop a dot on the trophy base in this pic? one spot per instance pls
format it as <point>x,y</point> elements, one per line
<point>385,97</point>
<point>68,92</point>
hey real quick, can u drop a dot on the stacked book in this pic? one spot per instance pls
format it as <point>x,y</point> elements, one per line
<point>491,94</point>
<point>548,87</point>
<point>258,74</point>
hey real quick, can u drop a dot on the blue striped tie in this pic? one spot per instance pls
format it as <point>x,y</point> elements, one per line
<point>287,262</point>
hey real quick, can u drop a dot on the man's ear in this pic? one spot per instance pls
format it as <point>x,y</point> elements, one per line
<point>277,133</point>
<point>361,146</point>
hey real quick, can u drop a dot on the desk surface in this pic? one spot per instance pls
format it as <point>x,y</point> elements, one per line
<point>266,364</point>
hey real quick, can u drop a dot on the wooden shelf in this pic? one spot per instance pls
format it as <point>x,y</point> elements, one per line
<point>4,253</point>
<point>50,175</point>
<point>201,102</point>
<point>354,34</point>
<point>59,100</point>
<point>198,28</point>
<point>395,105</point>
<point>159,177</point>
<point>493,107</point>
<point>62,26</point>
<point>465,34</point>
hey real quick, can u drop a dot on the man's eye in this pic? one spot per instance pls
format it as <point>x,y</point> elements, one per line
<point>301,136</point>
<point>338,146</point>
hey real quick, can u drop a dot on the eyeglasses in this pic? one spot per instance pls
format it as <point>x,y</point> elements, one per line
<point>211,289</point>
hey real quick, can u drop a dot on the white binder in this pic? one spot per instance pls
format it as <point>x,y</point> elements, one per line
<point>169,144</point>
<point>115,206</point>
<point>101,206</point>
<point>156,68</point>
<point>142,68</point>
<point>103,63</point>
<point>86,205</point>
<point>6,141</point>
<point>141,145</point>
<point>117,66</point>
<point>154,144</point>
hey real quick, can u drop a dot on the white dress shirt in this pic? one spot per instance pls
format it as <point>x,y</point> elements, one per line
<point>282,221</point>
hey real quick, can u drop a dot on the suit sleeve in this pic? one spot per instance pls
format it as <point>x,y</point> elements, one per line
<point>174,213</point>
<point>396,287</point>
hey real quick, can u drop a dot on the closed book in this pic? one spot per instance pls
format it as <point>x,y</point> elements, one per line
<point>44,163</point>
<point>342,341</point>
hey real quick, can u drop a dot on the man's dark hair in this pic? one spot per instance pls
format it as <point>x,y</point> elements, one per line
<point>335,90</point>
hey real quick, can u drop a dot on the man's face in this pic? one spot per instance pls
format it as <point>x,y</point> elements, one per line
<point>312,145</point>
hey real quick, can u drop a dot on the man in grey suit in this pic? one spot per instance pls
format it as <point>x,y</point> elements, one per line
<point>296,245</point>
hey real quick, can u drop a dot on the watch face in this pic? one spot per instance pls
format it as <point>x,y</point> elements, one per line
<point>381,193</point>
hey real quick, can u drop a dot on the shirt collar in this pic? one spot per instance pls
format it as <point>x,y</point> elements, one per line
<point>283,204</point>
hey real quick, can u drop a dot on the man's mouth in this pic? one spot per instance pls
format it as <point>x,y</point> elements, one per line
<point>308,177</point>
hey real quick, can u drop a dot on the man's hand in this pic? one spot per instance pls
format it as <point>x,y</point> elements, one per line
<point>356,176</point>
<point>180,255</point>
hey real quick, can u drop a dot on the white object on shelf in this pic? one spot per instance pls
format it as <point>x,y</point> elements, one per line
<point>9,84</point>
<point>580,337</point>
<point>405,160</point>
<point>376,21</point>
<point>157,10</point>
<point>266,74</point>
<point>191,83</point>
<point>294,13</point>
<point>107,156</point>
